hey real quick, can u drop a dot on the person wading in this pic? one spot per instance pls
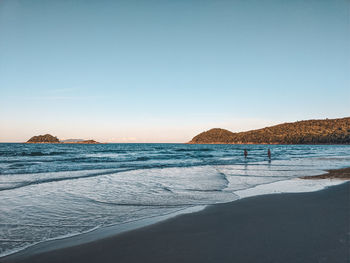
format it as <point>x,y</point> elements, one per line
<point>245,153</point>
<point>269,154</point>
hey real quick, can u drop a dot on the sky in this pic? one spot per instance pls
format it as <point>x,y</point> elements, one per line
<point>163,71</point>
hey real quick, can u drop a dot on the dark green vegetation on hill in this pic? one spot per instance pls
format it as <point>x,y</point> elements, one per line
<point>47,138</point>
<point>328,131</point>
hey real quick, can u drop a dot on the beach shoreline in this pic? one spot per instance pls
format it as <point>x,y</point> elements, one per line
<point>294,185</point>
<point>193,229</point>
<point>97,233</point>
<point>343,174</point>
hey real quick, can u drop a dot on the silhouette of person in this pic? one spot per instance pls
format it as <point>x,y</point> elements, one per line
<point>245,153</point>
<point>269,153</point>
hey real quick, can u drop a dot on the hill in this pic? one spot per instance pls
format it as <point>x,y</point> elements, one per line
<point>328,131</point>
<point>47,138</point>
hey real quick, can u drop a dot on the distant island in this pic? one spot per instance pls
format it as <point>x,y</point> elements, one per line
<point>327,131</point>
<point>48,138</point>
<point>72,140</point>
<point>84,142</point>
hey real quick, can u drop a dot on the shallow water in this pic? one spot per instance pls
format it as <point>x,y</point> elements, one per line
<point>50,190</point>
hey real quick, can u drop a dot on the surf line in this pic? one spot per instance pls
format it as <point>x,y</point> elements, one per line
<point>222,174</point>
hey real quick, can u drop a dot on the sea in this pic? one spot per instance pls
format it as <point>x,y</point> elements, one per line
<point>51,191</point>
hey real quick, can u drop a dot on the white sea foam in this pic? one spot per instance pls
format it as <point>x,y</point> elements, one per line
<point>295,185</point>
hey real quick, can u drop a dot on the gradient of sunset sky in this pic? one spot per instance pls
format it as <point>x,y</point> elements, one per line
<point>163,71</point>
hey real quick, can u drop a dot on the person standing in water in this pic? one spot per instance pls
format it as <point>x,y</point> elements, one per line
<point>269,154</point>
<point>245,153</point>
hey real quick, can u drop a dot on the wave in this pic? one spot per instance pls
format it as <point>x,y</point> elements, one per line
<point>57,179</point>
<point>203,190</point>
<point>13,154</point>
<point>204,156</point>
<point>193,150</point>
<point>88,159</point>
<point>42,153</point>
<point>126,166</point>
<point>345,158</point>
<point>36,225</point>
<point>159,205</point>
<point>15,240</point>
<point>110,151</point>
<point>142,158</point>
<point>22,164</point>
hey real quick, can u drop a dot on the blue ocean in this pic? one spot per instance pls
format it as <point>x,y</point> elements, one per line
<point>50,191</point>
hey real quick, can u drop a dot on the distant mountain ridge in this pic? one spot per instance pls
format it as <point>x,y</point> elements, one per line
<point>72,140</point>
<point>83,142</point>
<point>327,131</point>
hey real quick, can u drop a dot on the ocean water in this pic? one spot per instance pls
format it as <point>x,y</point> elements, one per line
<point>49,191</point>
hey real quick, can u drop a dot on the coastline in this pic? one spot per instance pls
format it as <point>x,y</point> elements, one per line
<point>97,233</point>
<point>343,174</point>
<point>182,229</point>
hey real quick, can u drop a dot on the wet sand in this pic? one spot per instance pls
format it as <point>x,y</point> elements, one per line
<point>302,227</point>
<point>332,174</point>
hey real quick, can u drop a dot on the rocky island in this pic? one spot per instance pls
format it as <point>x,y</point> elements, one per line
<point>48,138</point>
<point>327,131</point>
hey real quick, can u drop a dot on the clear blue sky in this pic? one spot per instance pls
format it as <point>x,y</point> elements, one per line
<point>162,71</point>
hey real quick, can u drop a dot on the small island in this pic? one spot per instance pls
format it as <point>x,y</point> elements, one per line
<point>48,138</point>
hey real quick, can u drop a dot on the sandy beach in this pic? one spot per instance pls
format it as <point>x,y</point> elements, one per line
<point>302,227</point>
